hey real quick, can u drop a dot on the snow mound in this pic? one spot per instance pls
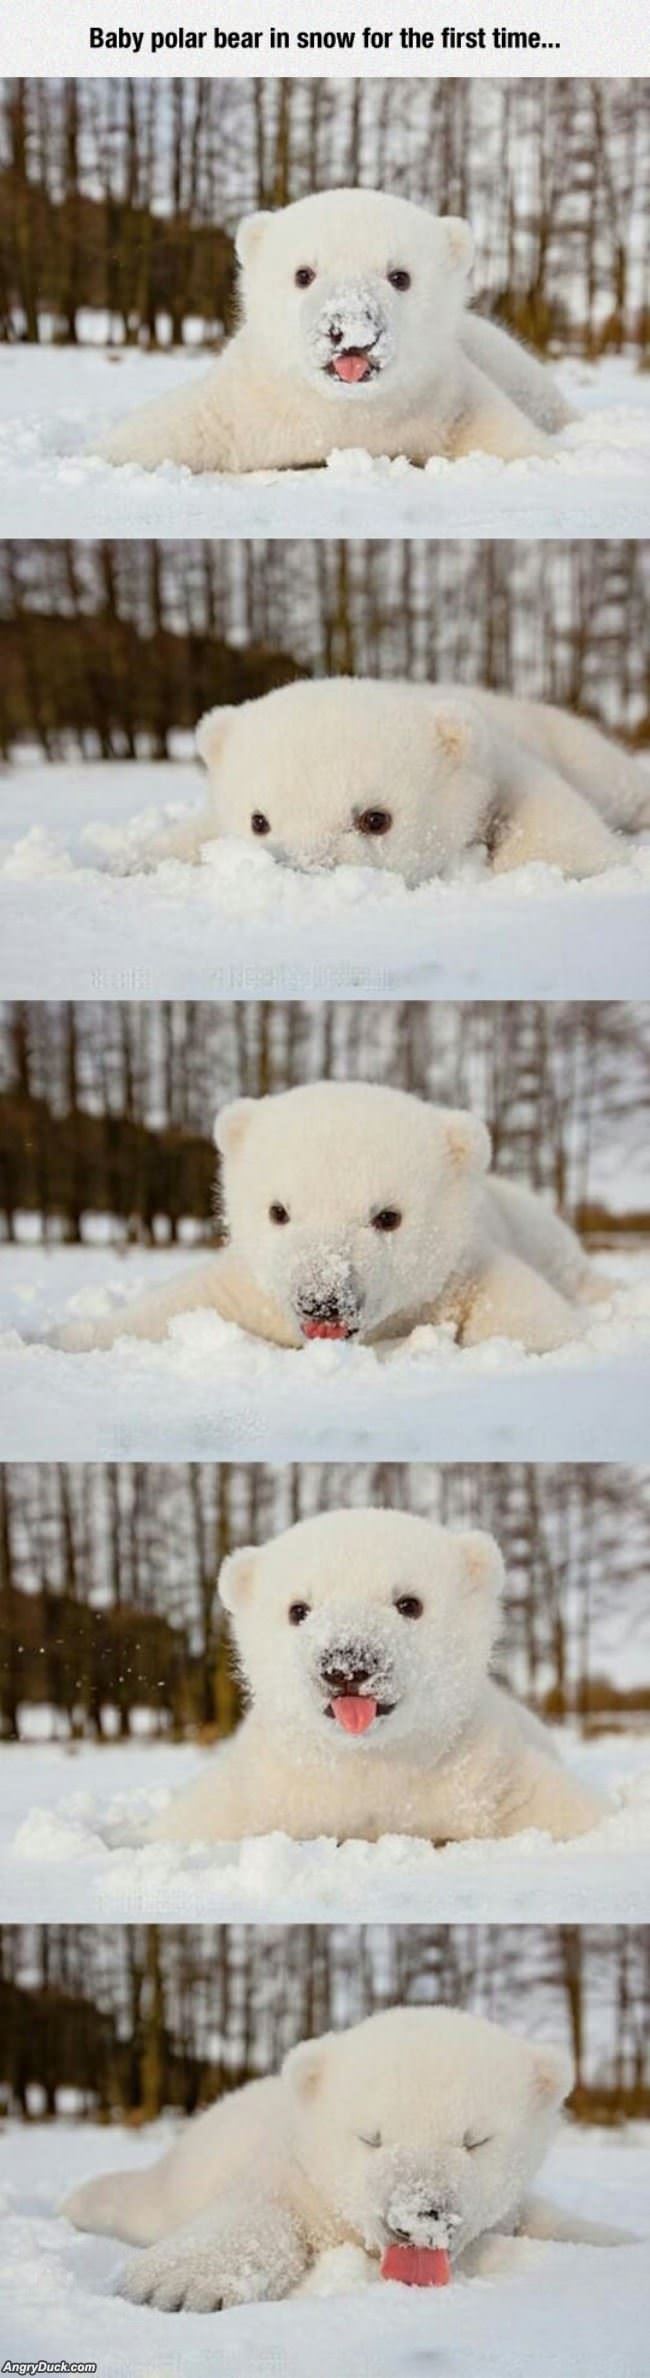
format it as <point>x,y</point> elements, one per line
<point>543,2309</point>
<point>242,921</point>
<point>55,403</point>
<point>85,1854</point>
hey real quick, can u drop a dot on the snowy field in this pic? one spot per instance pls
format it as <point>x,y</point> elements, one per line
<point>545,2309</point>
<point>72,926</point>
<point>72,1850</point>
<point>210,1391</point>
<point>55,402</point>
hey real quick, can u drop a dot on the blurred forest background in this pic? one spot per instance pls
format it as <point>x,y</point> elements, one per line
<point>122,2021</point>
<point>110,1624</point>
<point>107,1108</point>
<point>119,198</point>
<point>112,651</point>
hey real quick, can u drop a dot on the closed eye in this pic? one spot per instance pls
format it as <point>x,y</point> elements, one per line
<point>472,2144</point>
<point>371,2140</point>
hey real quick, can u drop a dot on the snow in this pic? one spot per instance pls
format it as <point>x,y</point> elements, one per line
<point>55,402</point>
<point>73,1849</point>
<point>72,926</point>
<point>543,2310</point>
<point>209,1391</point>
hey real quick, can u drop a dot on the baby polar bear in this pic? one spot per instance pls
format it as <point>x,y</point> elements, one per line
<point>415,2137</point>
<point>364,1638</point>
<point>351,771</point>
<point>358,1212</point>
<point>354,333</point>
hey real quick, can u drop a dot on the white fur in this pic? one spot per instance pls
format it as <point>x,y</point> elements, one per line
<point>445,384</point>
<point>484,1256</point>
<point>420,2120</point>
<point>447,768</point>
<point>448,1756</point>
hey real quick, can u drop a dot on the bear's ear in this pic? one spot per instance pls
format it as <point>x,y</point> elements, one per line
<point>482,1562</point>
<point>303,2067</point>
<point>232,1124</point>
<point>211,733</point>
<point>468,1141</point>
<point>553,2076</point>
<point>236,1576</point>
<point>459,243</point>
<point>249,234</point>
<point>453,732</point>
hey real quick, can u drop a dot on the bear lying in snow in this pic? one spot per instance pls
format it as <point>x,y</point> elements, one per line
<point>410,777</point>
<point>364,1639</point>
<point>357,1211</point>
<point>354,333</point>
<point>415,2136</point>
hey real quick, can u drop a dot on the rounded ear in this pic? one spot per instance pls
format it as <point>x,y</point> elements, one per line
<point>211,733</point>
<point>249,234</point>
<point>303,2067</point>
<point>232,1124</point>
<point>483,1570</point>
<point>552,2076</point>
<point>459,243</point>
<point>236,1576</point>
<point>468,1141</point>
<point>453,731</point>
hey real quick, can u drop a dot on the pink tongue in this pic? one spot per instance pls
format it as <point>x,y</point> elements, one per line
<point>351,367</point>
<point>324,1329</point>
<point>354,1712</point>
<point>417,2266</point>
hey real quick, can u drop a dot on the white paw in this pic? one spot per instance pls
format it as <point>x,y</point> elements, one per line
<point>190,2281</point>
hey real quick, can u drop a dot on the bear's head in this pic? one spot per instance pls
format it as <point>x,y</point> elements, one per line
<point>365,1629</point>
<point>356,293</point>
<point>352,772</point>
<point>422,2126</point>
<point>350,1204</point>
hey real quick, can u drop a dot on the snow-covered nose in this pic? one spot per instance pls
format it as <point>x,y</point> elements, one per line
<point>326,1295</point>
<point>420,2210</point>
<point>351,319</point>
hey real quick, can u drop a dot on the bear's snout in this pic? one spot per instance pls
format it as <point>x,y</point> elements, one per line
<point>350,338</point>
<point>345,1668</point>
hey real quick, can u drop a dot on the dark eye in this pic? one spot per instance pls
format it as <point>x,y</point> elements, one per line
<point>374,821</point>
<point>373,2140</point>
<point>304,276</point>
<point>409,1606</point>
<point>259,823</point>
<point>298,1612</point>
<point>388,1218</point>
<point>399,280</point>
<point>277,1212</point>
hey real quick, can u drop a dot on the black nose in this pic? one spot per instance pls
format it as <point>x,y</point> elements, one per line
<point>343,1670</point>
<point>335,335</point>
<point>323,1309</point>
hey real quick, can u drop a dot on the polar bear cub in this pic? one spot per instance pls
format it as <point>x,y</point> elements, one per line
<point>364,1639</point>
<point>352,771</point>
<point>357,1212</point>
<point>354,333</point>
<point>418,2133</point>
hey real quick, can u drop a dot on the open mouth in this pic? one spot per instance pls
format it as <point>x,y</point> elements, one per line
<point>417,2266</point>
<point>352,365</point>
<point>355,1713</point>
<point>329,1329</point>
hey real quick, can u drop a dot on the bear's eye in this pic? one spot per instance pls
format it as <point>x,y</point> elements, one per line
<point>259,823</point>
<point>409,1606</point>
<point>277,1212</point>
<point>371,2139</point>
<point>471,2144</point>
<point>374,821</point>
<point>399,279</point>
<point>387,1219</point>
<point>304,276</point>
<point>298,1612</point>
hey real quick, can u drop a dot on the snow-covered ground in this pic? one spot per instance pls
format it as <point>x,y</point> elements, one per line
<point>210,1391</point>
<point>56,401</point>
<point>545,2310</point>
<point>72,927</point>
<point>73,1850</point>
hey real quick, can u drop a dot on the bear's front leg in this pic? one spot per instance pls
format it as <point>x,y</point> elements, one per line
<point>555,824</point>
<point>510,1300</point>
<point>247,2251</point>
<point>548,1798</point>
